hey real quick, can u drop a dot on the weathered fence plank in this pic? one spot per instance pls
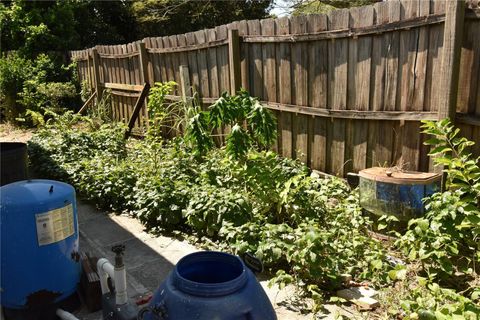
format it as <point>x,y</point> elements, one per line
<point>244,57</point>
<point>452,39</point>
<point>318,91</point>
<point>284,89</point>
<point>234,60</point>
<point>96,72</point>
<point>204,88</point>
<point>409,40</point>
<point>269,68</point>
<point>300,90</point>
<point>136,110</point>
<point>338,19</point>
<point>255,54</point>
<point>224,70</point>
<point>214,82</point>
<point>362,17</point>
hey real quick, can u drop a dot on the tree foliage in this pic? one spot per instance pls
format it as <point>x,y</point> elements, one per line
<point>105,22</point>
<point>29,86</point>
<point>43,26</point>
<point>323,6</point>
<point>167,17</point>
<point>33,27</point>
<point>32,32</point>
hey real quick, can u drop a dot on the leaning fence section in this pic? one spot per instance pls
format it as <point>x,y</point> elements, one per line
<point>349,88</point>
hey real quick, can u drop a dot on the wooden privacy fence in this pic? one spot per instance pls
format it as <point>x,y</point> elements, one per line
<point>349,88</point>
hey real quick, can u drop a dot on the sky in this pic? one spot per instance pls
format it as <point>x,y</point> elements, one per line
<point>280,8</point>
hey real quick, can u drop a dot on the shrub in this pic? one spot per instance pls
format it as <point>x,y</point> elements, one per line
<point>28,88</point>
<point>252,125</point>
<point>107,180</point>
<point>14,71</point>
<point>55,96</point>
<point>419,298</point>
<point>445,240</point>
<point>158,202</point>
<point>61,149</point>
<point>210,207</point>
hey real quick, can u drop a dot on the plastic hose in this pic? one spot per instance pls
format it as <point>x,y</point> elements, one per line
<point>158,311</point>
<point>65,315</point>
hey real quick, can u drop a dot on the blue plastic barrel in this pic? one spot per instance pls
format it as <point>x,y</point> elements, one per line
<point>210,285</point>
<point>40,261</point>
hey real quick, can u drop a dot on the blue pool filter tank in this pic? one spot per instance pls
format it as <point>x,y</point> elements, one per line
<point>40,261</point>
<point>210,285</point>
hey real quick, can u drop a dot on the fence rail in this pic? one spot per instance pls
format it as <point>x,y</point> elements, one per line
<point>349,88</point>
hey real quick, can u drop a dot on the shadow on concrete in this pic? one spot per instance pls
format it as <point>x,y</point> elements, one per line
<point>146,267</point>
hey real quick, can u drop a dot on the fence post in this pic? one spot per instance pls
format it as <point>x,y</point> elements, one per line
<point>89,76</point>
<point>96,74</point>
<point>234,60</point>
<point>450,68</point>
<point>143,63</point>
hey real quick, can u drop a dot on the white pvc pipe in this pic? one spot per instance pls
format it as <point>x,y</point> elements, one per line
<point>119,275</point>
<point>62,314</point>
<point>105,269</point>
<point>120,285</point>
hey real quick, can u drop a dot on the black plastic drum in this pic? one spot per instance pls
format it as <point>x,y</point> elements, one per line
<point>13,156</point>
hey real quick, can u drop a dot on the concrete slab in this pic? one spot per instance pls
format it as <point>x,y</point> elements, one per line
<point>104,231</point>
<point>138,253</point>
<point>150,258</point>
<point>88,211</point>
<point>151,274</point>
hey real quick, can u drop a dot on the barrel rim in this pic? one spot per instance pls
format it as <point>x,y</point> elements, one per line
<point>209,289</point>
<point>45,181</point>
<point>18,144</point>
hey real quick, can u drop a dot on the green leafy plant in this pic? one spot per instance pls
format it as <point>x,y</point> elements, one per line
<point>263,124</point>
<point>416,298</point>
<point>198,134</point>
<point>238,142</point>
<point>453,152</point>
<point>85,90</point>
<point>56,96</point>
<point>170,118</point>
<point>158,110</point>
<point>14,71</point>
<point>37,118</point>
<point>101,112</point>
<point>252,124</point>
<point>209,208</point>
<point>158,202</point>
<point>445,240</point>
<point>37,85</point>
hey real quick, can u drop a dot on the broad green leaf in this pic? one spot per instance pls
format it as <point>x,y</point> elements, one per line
<point>376,264</point>
<point>439,150</point>
<point>381,226</point>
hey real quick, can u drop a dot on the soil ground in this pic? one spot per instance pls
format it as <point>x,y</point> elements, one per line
<point>9,133</point>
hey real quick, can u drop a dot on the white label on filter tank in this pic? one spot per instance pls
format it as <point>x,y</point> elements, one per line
<point>54,225</point>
